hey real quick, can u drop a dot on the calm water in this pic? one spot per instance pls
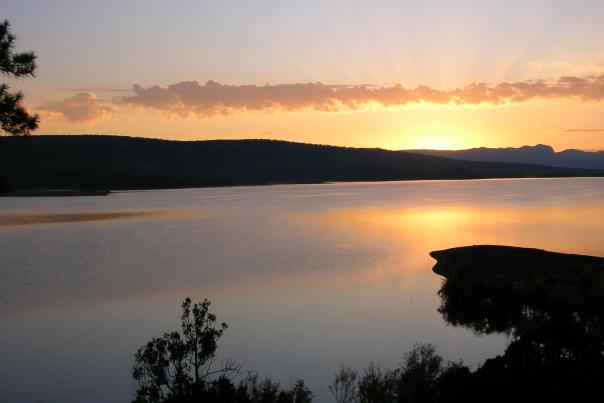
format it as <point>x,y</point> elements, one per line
<point>308,277</point>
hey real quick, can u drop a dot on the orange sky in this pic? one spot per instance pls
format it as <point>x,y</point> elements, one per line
<point>427,126</point>
<point>396,75</point>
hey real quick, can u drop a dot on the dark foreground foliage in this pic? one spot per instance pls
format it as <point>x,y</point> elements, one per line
<point>422,377</point>
<point>14,118</point>
<point>551,305</point>
<point>180,367</point>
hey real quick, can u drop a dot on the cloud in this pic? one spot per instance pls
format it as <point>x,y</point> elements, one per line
<point>189,98</point>
<point>584,131</point>
<point>212,98</point>
<point>82,107</point>
<point>555,68</point>
<point>96,89</point>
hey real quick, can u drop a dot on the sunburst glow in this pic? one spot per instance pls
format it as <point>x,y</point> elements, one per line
<point>395,75</point>
<point>437,142</point>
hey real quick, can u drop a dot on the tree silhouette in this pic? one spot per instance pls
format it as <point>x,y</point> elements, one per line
<point>177,366</point>
<point>252,390</point>
<point>550,305</point>
<point>344,386</point>
<point>422,377</point>
<point>14,118</point>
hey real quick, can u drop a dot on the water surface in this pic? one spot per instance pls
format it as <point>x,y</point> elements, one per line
<point>308,277</point>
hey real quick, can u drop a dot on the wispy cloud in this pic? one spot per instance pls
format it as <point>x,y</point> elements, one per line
<point>213,98</point>
<point>584,131</point>
<point>97,89</point>
<point>556,68</point>
<point>83,107</point>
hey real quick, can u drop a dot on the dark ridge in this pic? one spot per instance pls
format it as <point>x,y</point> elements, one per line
<point>540,154</point>
<point>116,162</point>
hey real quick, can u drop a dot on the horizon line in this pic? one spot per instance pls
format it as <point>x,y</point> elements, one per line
<point>309,143</point>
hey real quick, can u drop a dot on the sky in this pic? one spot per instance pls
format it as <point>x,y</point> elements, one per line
<point>392,74</point>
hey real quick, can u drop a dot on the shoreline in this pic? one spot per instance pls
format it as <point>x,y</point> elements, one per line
<point>52,192</point>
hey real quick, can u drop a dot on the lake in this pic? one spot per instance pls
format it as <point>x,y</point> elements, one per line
<point>308,277</point>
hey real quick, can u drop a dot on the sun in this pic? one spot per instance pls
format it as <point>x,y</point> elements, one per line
<point>431,141</point>
<point>436,142</point>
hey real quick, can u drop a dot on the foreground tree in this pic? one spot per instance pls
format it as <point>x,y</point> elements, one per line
<point>14,118</point>
<point>179,367</point>
<point>422,377</point>
<point>344,386</point>
<point>252,390</point>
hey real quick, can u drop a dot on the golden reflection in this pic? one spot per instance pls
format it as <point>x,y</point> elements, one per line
<point>570,229</point>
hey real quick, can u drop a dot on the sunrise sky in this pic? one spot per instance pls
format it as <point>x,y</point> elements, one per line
<point>391,74</point>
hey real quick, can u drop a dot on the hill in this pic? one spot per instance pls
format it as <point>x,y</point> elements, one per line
<point>540,154</point>
<point>115,162</point>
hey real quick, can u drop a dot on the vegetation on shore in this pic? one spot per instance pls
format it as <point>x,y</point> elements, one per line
<point>113,162</point>
<point>181,367</point>
<point>551,305</point>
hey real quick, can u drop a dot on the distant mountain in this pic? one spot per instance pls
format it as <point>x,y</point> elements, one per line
<point>539,154</point>
<point>114,162</point>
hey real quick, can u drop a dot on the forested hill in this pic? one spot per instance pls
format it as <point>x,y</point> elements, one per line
<point>115,162</point>
<point>539,154</point>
